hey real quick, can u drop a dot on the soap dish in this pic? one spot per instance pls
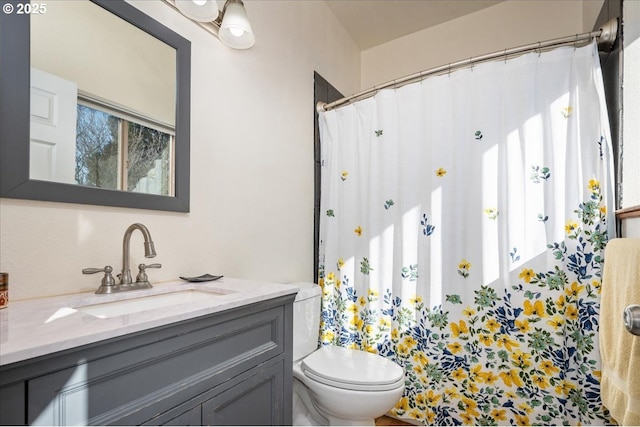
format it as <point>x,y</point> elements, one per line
<point>204,278</point>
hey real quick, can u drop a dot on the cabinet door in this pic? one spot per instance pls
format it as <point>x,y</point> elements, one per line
<point>258,400</point>
<point>12,405</point>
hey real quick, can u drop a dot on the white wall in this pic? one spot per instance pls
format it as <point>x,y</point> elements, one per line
<point>251,166</point>
<point>590,12</point>
<point>508,24</point>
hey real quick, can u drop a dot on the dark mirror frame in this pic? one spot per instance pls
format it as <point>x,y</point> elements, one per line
<point>15,117</point>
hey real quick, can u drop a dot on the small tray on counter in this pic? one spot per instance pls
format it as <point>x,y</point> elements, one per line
<point>204,278</point>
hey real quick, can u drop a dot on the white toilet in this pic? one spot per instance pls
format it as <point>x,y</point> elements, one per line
<point>335,385</point>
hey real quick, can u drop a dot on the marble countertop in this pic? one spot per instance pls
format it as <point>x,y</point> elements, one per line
<point>33,328</point>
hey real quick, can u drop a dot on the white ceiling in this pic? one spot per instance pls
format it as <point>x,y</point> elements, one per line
<point>374,22</point>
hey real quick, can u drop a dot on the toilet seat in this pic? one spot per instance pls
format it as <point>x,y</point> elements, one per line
<point>352,369</point>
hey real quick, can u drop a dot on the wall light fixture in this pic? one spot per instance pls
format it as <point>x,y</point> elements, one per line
<point>231,24</point>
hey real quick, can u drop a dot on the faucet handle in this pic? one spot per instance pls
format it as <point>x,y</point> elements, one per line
<point>143,266</point>
<point>108,284</point>
<point>142,275</point>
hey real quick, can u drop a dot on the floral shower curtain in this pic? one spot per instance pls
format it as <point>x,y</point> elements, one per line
<point>463,226</point>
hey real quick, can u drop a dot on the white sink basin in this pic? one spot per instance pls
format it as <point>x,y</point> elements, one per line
<point>144,303</point>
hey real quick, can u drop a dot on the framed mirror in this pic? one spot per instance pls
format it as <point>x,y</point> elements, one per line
<point>120,102</point>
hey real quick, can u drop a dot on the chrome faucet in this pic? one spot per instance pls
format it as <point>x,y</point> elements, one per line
<point>108,285</point>
<point>149,252</point>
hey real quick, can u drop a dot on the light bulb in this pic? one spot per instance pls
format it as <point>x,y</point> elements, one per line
<point>236,31</point>
<point>198,10</point>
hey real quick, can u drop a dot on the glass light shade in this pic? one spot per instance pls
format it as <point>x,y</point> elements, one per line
<point>198,10</point>
<point>235,29</point>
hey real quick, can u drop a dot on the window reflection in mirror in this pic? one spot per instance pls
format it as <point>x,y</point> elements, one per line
<point>103,101</point>
<point>115,153</point>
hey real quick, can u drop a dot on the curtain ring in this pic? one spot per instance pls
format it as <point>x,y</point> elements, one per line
<point>505,55</point>
<point>472,63</point>
<point>449,70</point>
<point>575,43</point>
<point>539,49</point>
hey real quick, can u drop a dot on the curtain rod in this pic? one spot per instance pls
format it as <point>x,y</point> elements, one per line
<point>606,36</point>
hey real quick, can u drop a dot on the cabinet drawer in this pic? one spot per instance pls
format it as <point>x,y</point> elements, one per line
<point>256,397</point>
<point>134,384</point>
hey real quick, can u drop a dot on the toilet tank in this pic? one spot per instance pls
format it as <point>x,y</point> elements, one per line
<point>306,319</point>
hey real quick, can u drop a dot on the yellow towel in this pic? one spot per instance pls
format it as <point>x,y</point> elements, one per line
<point>619,349</point>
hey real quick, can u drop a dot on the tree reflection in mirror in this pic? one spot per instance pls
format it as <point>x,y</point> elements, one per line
<point>117,153</point>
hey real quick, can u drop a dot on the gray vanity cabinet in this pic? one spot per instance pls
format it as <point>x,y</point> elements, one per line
<point>227,368</point>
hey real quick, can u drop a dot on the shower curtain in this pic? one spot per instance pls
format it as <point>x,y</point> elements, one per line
<point>462,231</point>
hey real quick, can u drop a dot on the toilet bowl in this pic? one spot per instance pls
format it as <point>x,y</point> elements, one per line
<point>335,385</point>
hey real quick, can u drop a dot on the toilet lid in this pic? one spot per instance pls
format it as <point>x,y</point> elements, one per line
<point>352,369</point>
